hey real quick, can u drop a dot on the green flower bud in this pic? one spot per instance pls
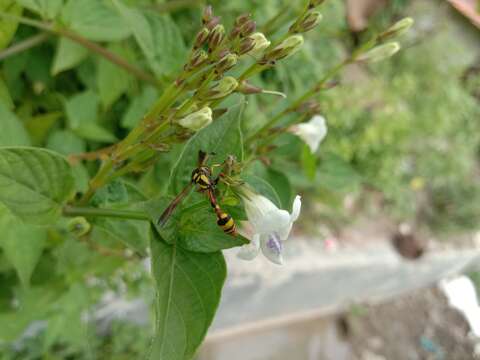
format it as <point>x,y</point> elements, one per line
<point>260,43</point>
<point>197,120</point>
<point>397,29</point>
<point>201,38</point>
<point>78,226</point>
<point>216,36</point>
<point>286,48</point>
<point>310,20</point>
<point>226,63</point>
<point>222,88</point>
<point>198,58</point>
<point>380,52</point>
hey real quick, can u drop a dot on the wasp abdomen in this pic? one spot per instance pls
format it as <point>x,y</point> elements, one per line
<point>225,221</point>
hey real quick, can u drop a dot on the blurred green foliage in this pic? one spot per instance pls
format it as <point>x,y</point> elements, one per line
<point>407,128</point>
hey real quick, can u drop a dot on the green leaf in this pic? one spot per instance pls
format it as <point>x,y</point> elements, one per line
<point>189,288</point>
<point>158,37</point>
<point>132,233</point>
<point>139,27</point>
<point>47,9</point>
<point>95,20</point>
<point>5,97</point>
<point>34,183</point>
<point>112,81</point>
<point>66,142</point>
<point>13,131</point>
<point>337,175</point>
<point>193,225</point>
<point>39,126</point>
<point>279,181</point>
<point>8,27</point>
<point>139,107</point>
<point>22,244</point>
<point>223,137</point>
<point>68,55</point>
<point>82,114</point>
<point>263,187</point>
<point>169,47</point>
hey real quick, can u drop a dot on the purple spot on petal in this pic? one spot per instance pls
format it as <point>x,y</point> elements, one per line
<point>274,244</point>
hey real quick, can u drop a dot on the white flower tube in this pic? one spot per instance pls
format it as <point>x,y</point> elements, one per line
<point>197,120</point>
<point>311,132</point>
<point>269,226</point>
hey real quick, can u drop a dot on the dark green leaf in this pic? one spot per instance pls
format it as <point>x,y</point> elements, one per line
<point>189,287</point>
<point>279,181</point>
<point>223,137</point>
<point>34,183</point>
<point>193,225</point>
<point>5,97</point>
<point>263,187</point>
<point>66,142</point>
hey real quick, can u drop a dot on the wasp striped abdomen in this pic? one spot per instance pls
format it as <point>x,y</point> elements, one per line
<point>225,221</point>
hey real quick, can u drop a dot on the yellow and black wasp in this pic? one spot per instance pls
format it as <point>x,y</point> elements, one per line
<point>202,176</point>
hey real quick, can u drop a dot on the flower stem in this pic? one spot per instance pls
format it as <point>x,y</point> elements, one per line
<point>98,181</point>
<point>98,212</point>
<point>24,45</point>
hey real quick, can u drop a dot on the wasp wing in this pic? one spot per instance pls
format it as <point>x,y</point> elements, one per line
<point>169,210</point>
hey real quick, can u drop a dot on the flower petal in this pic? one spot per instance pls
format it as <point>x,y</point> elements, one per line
<point>272,248</point>
<point>250,251</point>
<point>297,205</point>
<point>272,221</point>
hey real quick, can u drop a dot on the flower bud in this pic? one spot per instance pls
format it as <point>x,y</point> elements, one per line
<point>201,38</point>
<point>246,45</point>
<point>216,37</point>
<point>397,29</point>
<point>207,14</point>
<point>221,89</point>
<point>242,19</point>
<point>248,89</point>
<point>199,57</point>
<point>78,226</point>
<point>212,23</point>
<point>286,48</point>
<point>380,52</point>
<point>248,28</point>
<point>226,63</point>
<point>260,43</point>
<point>197,120</point>
<point>309,21</point>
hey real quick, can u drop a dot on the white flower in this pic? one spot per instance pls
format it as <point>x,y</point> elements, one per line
<point>312,132</point>
<point>197,120</point>
<point>261,43</point>
<point>269,226</point>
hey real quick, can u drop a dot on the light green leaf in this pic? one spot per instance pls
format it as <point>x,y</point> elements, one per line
<point>112,81</point>
<point>66,142</point>
<point>22,244</point>
<point>139,107</point>
<point>68,55</point>
<point>95,20</point>
<point>189,287</point>
<point>13,132</point>
<point>223,137</point>
<point>5,97</point>
<point>139,26</point>
<point>47,9</point>
<point>8,27</point>
<point>38,126</point>
<point>193,225</point>
<point>82,114</point>
<point>34,183</point>
<point>169,47</point>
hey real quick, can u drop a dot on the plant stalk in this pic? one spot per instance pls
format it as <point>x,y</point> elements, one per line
<point>99,212</point>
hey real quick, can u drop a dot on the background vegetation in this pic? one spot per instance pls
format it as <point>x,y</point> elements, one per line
<point>414,141</point>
